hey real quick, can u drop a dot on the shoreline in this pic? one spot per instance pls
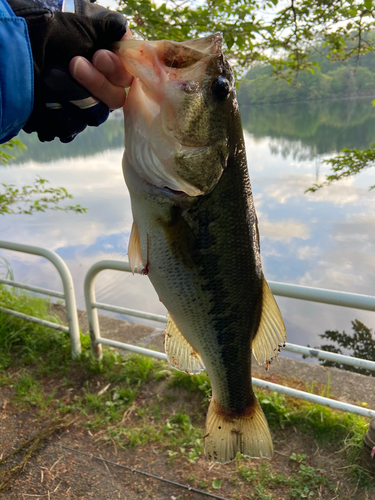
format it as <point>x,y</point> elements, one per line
<point>347,98</point>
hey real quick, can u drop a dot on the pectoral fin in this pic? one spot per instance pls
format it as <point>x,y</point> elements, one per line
<point>180,353</point>
<point>271,334</point>
<point>134,249</point>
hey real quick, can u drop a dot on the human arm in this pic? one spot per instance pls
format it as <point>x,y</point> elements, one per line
<point>63,108</point>
<point>16,86</point>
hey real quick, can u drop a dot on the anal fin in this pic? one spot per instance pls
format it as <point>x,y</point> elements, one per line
<point>180,354</point>
<point>134,249</point>
<point>271,334</point>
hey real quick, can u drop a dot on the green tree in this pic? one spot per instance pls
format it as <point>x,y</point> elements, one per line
<point>37,197</point>
<point>360,345</point>
<point>9,146</point>
<point>292,36</point>
<point>350,162</point>
<point>282,33</point>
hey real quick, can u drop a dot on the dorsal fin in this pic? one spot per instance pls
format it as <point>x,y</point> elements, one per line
<point>134,249</point>
<point>180,354</point>
<point>271,334</point>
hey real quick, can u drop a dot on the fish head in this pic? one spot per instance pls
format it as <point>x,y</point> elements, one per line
<point>177,113</point>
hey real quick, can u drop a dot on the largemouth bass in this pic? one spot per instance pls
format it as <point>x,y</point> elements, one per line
<point>195,230</point>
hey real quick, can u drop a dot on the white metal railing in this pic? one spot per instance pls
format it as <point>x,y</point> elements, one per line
<point>92,306</point>
<point>68,295</point>
<point>352,300</point>
<point>293,291</point>
<point>283,289</point>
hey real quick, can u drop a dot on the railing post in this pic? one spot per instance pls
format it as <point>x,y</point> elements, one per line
<point>92,312</point>
<point>70,300</point>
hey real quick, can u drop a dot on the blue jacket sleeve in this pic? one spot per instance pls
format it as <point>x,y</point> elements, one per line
<point>16,73</point>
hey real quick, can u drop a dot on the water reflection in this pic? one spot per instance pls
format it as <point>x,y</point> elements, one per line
<point>326,239</point>
<point>92,140</point>
<point>312,128</point>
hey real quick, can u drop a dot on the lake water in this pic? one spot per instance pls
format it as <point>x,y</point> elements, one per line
<point>325,240</point>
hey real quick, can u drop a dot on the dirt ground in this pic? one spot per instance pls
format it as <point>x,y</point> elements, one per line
<point>64,464</point>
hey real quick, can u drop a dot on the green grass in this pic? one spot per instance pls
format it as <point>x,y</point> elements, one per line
<point>183,437</point>
<point>40,353</point>
<point>327,425</point>
<point>23,343</point>
<point>198,384</point>
<point>30,391</point>
<point>102,409</point>
<point>303,482</point>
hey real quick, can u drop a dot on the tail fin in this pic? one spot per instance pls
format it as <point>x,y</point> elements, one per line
<point>226,437</point>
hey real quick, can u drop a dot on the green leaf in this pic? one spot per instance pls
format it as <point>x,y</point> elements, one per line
<point>368,4</point>
<point>229,40</point>
<point>35,198</point>
<point>216,483</point>
<point>126,11</point>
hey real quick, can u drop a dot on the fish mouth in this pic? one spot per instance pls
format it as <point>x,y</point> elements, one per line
<point>167,124</point>
<point>162,59</point>
<point>164,68</point>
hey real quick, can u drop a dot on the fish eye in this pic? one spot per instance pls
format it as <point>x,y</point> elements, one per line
<point>220,88</point>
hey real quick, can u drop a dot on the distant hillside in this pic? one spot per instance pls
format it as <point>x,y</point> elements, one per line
<point>351,78</point>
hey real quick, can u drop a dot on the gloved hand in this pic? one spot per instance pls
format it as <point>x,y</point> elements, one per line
<point>62,107</point>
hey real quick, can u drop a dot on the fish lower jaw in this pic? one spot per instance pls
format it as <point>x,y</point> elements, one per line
<point>186,190</point>
<point>141,182</point>
<point>174,192</point>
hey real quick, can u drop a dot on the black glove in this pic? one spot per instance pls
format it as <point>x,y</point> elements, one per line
<point>62,107</point>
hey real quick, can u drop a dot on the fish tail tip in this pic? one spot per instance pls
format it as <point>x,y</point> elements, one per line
<point>248,434</point>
